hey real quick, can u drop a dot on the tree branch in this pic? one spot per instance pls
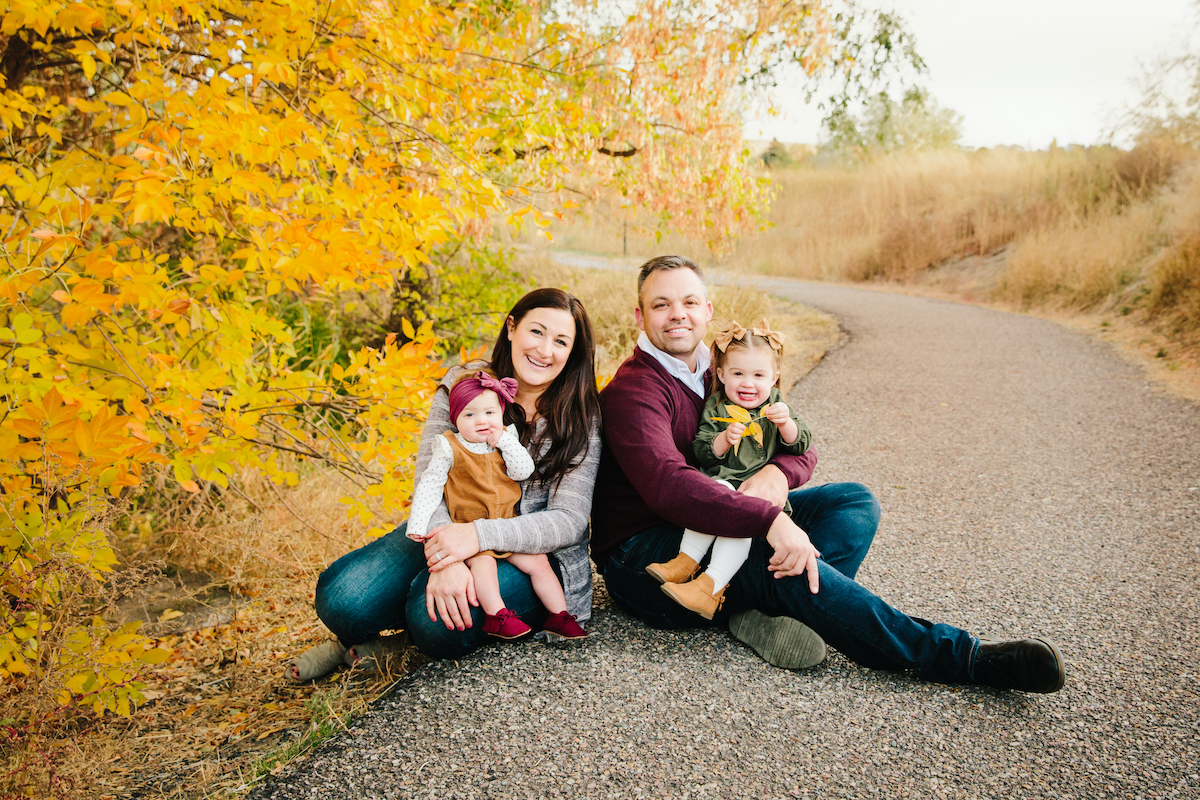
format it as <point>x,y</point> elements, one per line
<point>519,154</point>
<point>629,152</point>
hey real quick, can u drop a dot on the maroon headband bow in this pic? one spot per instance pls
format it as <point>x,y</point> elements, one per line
<point>505,387</point>
<point>467,389</point>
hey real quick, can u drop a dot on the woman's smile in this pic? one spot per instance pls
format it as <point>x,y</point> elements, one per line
<point>541,345</point>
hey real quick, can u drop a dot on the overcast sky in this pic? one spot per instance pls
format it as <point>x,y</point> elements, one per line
<point>1023,71</point>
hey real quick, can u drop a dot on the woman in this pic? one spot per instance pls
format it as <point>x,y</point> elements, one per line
<point>394,582</point>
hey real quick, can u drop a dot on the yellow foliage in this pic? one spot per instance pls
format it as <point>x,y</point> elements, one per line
<point>181,175</point>
<point>742,416</point>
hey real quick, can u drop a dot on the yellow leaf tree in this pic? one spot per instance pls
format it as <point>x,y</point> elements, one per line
<point>188,184</point>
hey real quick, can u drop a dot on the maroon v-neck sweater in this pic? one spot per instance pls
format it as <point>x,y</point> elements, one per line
<point>648,472</point>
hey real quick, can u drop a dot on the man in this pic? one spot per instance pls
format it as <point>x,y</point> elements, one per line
<point>796,592</point>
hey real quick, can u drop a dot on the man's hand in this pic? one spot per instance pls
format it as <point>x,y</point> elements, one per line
<point>794,553</point>
<point>450,595</point>
<point>450,544</point>
<point>769,483</point>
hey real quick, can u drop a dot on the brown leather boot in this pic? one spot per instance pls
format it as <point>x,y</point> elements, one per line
<point>697,595</point>
<point>679,569</point>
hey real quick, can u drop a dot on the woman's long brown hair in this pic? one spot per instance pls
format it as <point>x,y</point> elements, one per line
<point>571,404</point>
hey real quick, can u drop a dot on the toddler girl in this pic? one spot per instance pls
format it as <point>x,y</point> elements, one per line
<point>476,467</point>
<point>732,444</point>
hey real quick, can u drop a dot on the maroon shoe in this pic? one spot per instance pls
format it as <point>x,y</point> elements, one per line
<point>505,625</point>
<point>562,626</point>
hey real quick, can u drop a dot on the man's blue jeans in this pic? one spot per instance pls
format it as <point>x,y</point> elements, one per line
<point>381,586</point>
<point>840,520</point>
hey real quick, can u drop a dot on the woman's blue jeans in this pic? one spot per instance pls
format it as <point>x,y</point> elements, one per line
<point>381,586</point>
<point>840,520</point>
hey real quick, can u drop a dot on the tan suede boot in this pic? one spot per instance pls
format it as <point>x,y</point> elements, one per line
<point>679,569</point>
<point>697,595</point>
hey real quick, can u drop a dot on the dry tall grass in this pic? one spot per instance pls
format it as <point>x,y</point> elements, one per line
<point>1130,273</point>
<point>897,216</point>
<point>1174,272</point>
<point>1082,261</point>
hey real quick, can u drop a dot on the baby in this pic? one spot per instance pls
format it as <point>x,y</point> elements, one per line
<point>476,468</point>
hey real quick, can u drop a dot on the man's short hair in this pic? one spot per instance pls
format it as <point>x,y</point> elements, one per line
<point>662,263</point>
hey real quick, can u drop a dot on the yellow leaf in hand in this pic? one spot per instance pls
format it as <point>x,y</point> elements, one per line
<point>755,430</point>
<point>738,413</point>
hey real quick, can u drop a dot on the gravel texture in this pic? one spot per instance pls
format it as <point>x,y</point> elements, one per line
<point>1032,483</point>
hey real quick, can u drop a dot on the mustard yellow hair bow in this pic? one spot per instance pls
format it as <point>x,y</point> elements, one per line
<point>775,338</point>
<point>725,335</point>
<point>735,332</point>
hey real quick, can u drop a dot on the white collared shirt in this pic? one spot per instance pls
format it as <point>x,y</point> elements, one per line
<point>690,379</point>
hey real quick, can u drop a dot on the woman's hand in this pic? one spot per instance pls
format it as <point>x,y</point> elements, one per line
<point>450,544</point>
<point>450,595</point>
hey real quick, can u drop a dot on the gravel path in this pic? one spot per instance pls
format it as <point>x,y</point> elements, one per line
<point>1031,483</point>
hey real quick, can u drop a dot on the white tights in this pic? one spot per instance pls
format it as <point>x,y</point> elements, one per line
<point>728,554</point>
